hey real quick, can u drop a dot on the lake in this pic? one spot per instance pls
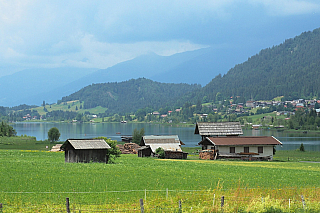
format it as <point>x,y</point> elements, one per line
<point>186,134</point>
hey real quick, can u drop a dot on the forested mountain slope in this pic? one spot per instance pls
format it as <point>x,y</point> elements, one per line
<point>291,69</point>
<point>128,96</point>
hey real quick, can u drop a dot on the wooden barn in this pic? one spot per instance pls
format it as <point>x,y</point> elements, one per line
<point>171,145</point>
<point>85,150</point>
<point>249,148</point>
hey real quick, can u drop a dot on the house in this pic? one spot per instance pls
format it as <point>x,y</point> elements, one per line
<point>251,148</point>
<point>207,129</point>
<point>85,150</point>
<point>171,145</point>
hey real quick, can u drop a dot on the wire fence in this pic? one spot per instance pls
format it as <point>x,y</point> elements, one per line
<point>166,200</point>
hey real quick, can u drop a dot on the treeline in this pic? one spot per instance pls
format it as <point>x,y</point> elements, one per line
<point>129,96</point>
<point>290,69</point>
<point>7,130</point>
<point>304,120</point>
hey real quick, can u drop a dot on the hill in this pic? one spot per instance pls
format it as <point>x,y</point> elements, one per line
<point>129,96</point>
<point>291,69</point>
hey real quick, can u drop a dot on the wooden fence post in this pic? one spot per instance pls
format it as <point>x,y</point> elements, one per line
<point>67,205</point>
<point>141,206</point>
<point>180,209</point>
<point>167,194</point>
<point>222,203</point>
<point>0,207</point>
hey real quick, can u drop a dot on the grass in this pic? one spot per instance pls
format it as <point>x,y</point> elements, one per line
<point>41,181</point>
<point>72,104</point>
<point>24,143</point>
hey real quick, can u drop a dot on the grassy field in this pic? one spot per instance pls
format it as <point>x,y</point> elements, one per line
<point>24,143</point>
<point>39,181</point>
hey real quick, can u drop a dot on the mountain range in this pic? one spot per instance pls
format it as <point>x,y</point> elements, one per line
<point>33,86</point>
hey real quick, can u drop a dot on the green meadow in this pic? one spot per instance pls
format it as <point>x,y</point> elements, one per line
<point>40,181</point>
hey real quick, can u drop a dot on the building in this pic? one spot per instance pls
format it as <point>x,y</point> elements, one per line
<point>85,150</point>
<point>250,148</point>
<point>171,145</point>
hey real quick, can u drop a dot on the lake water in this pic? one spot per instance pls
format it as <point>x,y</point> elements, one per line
<point>186,134</point>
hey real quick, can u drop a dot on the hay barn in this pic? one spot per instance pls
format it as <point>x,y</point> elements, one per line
<point>85,150</point>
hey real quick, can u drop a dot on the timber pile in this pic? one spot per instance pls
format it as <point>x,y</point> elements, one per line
<point>206,154</point>
<point>56,148</point>
<point>129,148</point>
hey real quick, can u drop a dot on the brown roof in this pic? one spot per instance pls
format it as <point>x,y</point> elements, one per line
<point>87,144</point>
<point>218,128</point>
<point>232,141</point>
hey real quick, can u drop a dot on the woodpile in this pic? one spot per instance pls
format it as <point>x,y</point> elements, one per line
<point>207,154</point>
<point>129,148</point>
<point>56,148</point>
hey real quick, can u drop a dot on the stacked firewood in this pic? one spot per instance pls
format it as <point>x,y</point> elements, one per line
<point>129,148</point>
<point>206,154</point>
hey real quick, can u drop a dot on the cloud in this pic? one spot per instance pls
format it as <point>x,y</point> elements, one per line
<point>289,7</point>
<point>102,33</point>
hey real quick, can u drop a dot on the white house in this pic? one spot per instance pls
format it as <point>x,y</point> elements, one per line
<point>251,148</point>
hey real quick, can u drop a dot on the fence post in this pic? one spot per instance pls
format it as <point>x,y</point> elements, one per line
<point>0,207</point>
<point>67,205</point>
<point>303,202</point>
<point>289,204</point>
<point>141,206</point>
<point>214,197</point>
<point>167,194</point>
<point>222,203</point>
<point>180,210</point>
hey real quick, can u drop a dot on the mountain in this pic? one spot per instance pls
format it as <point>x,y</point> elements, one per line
<point>192,67</point>
<point>26,87</point>
<point>32,86</point>
<point>291,69</point>
<point>129,96</point>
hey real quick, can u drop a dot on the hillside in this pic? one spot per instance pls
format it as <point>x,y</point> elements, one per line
<point>129,96</point>
<point>291,69</point>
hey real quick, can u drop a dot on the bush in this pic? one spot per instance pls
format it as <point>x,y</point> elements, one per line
<point>161,153</point>
<point>112,153</point>
<point>301,148</point>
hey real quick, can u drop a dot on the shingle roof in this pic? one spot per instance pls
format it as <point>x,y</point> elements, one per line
<point>218,128</point>
<point>166,142</point>
<point>87,144</point>
<point>233,141</point>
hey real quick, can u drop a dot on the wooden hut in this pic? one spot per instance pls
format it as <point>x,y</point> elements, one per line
<point>85,150</point>
<point>171,144</point>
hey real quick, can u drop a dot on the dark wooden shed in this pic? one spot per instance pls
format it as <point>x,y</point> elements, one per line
<point>85,150</point>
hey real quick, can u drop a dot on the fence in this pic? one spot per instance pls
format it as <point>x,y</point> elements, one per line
<point>217,200</point>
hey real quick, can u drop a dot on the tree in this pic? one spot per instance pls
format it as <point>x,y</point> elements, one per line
<point>53,134</point>
<point>112,153</point>
<point>137,135</point>
<point>301,147</point>
<point>161,153</point>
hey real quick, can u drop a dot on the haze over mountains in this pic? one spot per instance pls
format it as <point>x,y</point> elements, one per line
<point>194,67</point>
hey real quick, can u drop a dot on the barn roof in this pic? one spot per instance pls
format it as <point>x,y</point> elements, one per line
<point>87,144</point>
<point>159,138</point>
<point>218,128</point>
<point>238,141</point>
<point>166,142</point>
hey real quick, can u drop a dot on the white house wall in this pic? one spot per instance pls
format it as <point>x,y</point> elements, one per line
<point>267,150</point>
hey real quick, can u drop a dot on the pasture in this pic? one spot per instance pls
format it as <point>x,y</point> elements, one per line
<point>39,181</point>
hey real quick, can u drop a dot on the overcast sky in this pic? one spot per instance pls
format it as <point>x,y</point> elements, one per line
<point>99,34</point>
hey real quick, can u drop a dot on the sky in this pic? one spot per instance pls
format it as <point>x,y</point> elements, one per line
<point>100,34</point>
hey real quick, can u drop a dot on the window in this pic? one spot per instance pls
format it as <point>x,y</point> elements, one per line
<point>246,149</point>
<point>260,149</point>
<point>232,149</point>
